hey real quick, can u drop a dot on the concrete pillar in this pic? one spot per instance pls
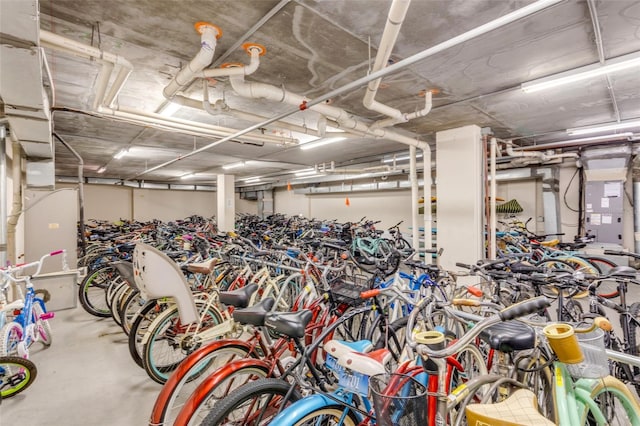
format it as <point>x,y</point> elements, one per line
<point>226,203</point>
<point>459,191</point>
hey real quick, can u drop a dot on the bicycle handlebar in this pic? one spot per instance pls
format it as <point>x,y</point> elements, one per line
<point>16,268</point>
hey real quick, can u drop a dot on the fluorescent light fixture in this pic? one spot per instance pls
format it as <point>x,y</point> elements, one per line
<point>234,165</point>
<point>252,180</point>
<point>170,109</point>
<point>603,128</point>
<point>102,169</point>
<point>121,154</point>
<point>583,73</point>
<point>311,172</point>
<point>308,169</point>
<point>321,142</point>
<point>188,176</point>
<point>575,142</point>
<point>401,158</point>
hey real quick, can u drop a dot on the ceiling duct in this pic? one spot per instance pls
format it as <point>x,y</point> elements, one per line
<point>26,103</point>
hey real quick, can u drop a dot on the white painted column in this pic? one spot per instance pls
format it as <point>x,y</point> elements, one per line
<point>226,203</point>
<point>460,186</point>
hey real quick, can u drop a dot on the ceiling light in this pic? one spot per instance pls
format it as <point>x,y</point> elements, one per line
<point>321,142</point>
<point>582,73</point>
<point>234,165</point>
<point>603,128</point>
<point>170,108</point>
<point>102,169</point>
<point>188,176</point>
<point>402,158</point>
<point>121,154</point>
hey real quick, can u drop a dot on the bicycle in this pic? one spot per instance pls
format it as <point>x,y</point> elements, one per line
<point>32,324</point>
<point>16,375</point>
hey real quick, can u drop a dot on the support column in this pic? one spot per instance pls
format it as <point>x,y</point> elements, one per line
<point>460,186</point>
<point>226,203</point>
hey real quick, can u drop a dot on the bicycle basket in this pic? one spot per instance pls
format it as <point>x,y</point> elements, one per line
<point>345,292</point>
<point>398,400</point>
<point>595,364</point>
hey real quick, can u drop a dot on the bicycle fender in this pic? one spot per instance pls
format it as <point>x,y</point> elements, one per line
<point>211,382</point>
<point>301,408</point>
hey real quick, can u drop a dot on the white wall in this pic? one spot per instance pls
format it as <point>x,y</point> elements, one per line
<point>528,193</point>
<point>246,206</point>
<point>165,205</point>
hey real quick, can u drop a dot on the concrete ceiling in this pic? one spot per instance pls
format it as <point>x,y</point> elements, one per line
<point>314,47</point>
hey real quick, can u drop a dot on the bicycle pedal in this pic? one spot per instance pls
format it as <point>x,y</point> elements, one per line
<point>47,315</point>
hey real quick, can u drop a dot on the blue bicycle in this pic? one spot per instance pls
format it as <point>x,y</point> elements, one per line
<point>32,322</point>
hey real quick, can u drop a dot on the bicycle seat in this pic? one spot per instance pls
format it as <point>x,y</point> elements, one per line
<point>240,297</point>
<point>290,324</point>
<point>205,267</point>
<point>368,364</point>
<point>337,348</point>
<point>254,315</point>
<point>520,409</point>
<point>509,336</point>
<point>622,272</point>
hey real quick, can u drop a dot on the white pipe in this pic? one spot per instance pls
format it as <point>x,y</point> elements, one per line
<point>428,219</point>
<point>160,121</point>
<point>387,122</point>
<point>203,58</point>
<point>341,117</point>
<point>49,77</point>
<point>397,13</point>
<point>102,81</point>
<point>16,209</point>
<point>492,195</point>
<point>536,154</point>
<point>54,41</point>
<point>245,70</point>
<point>415,217</point>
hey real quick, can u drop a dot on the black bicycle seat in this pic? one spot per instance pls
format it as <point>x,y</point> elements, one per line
<point>622,272</point>
<point>254,315</point>
<point>509,336</point>
<point>240,297</point>
<point>290,324</point>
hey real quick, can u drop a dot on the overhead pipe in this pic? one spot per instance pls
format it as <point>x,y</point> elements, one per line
<point>55,41</point>
<point>209,35</point>
<point>415,217</point>
<point>3,201</point>
<point>83,237</point>
<point>318,101</point>
<point>253,49</point>
<point>428,218</point>
<point>388,122</point>
<point>332,169</point>
<point>16,209</point>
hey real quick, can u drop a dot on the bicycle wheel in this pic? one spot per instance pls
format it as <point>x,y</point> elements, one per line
<point>16,374</point>
<point>394,339</point>
<point>92,291</point>
<point>168,341</point>
<point>634,338</point>
<point>535,372</point>
<point>206,396</point>
<point>252,404</point>
<point>140,326</point>
<point>615,401</point>
<point>129,309</point>
<point>10,339</point>
<point>116,299</point>
<point>185,380</point>
<point>572,312</point>
<point>43,326</point>
<point>329,415</point>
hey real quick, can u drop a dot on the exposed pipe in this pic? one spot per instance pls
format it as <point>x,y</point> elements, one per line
<point>343,119</point>
<point>3,201</point>
<point>387,122</point>
<point>537,154</point>
<point>83,237</point>
<point>49,76</point>
<point>254,50</point>
<point>413,178</point>
<point>492,194</point>
<point>54,41</point>
<point>428,219</point>
<point>102,81</point>
<point>12,221</point>
<point>209,35</point>
<point>395,18</point>
<point>636,215</point>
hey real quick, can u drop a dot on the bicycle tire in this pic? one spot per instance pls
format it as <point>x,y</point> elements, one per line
<point>617,391</point>
<point>129,309</point>
<point>22,373</point>
<point>634,339</point>
<point>159,370</point>
<point>606,288</point>
<point>185,380</point>
<point>330,414</point>
<point>572,312</point>
<point>92,291</point>
<point>115,302</point>
<point>250,392</point>
<point>395,339</point>
<point>139,327</point>
<point>43,326</point>
<point>539,379</point>
<point>10,337</point>
<point>209,395</point>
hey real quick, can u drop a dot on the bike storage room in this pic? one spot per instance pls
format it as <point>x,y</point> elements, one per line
<point>306,212</point>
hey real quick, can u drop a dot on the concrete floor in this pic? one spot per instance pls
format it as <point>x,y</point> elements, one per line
<point>86,377</point>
